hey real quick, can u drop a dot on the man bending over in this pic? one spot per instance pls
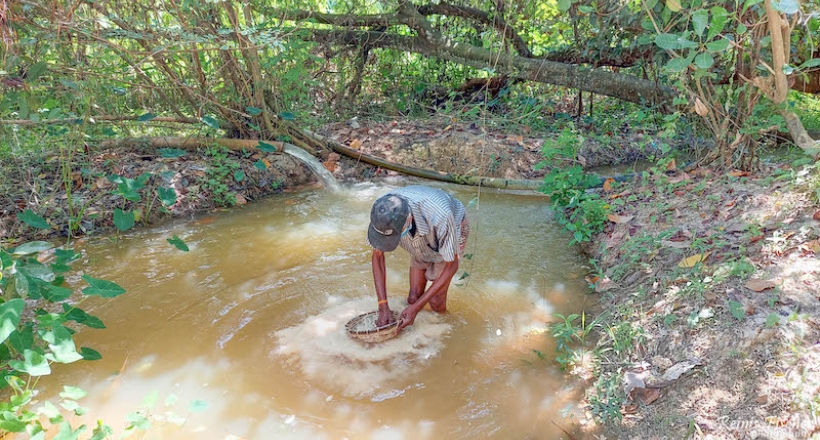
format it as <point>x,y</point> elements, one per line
<point>431,225</point>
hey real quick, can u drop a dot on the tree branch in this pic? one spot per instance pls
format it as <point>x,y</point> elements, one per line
<point>480,16</point>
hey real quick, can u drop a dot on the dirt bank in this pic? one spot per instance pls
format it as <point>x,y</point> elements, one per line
<point>100,183</point>
<point>715,276</point>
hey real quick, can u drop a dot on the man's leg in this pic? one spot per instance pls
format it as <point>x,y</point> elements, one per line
<point>439,302</point>
<point>418,282</point>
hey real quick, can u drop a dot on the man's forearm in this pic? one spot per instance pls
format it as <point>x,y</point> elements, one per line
<point>377,262</point>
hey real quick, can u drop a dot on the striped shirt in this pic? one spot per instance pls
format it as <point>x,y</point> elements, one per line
<point>437,217</point>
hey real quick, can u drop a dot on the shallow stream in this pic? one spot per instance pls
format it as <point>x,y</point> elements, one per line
<point>247,329</point>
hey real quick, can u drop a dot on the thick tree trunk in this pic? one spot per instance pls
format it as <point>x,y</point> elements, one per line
<point>778,88</point>
<point>599,81</point>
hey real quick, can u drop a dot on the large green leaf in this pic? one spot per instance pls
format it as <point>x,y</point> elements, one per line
<point>32,247</point>
<point>719,19</point>
<point>11,423</point>
<point>30,218</point>
<point>266,147</point>
<point>129,188</point>
<point>10,312</point>
<point>21,286</point>
<point>172,153</point>
<point>146,117</point>
<point>61,344</point>
<point>700,19</point>
<point>81,317</point>
<point>35,71</point>
<point>54,293</point>
<point>564,5</point>
<point>787,6</point>
<point>138,421</point>
<point>123,220</point>
<point>210,121</point>
<point>103,288</point>
<point>168,196</point>
<point>90,354</point>
<point>704,60</point>
<point>5,260</point>
<point>33,364</point>
<point>677,65</point>
<point>49,320</point>
<point>718,45</point>
<point>254,110</point>
<point>178,243</point>
<point>21,340</point>
<point>66,433</point>
<point>814,62</point>
<point>673,42</point>
<point>73,393</point>
<point>36,271</point>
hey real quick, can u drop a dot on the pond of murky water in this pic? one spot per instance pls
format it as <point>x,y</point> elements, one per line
<point>249,326</point>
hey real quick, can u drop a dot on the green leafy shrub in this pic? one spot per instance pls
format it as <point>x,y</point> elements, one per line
<point>583,213</point>
<point>221,168</point>
<point>38,317</point>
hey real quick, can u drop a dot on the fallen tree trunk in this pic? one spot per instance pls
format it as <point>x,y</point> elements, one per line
<point>487,182</point>
<point>190,143</point>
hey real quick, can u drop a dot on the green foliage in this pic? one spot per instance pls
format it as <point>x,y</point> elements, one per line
<point>568,335</point>
<point>35,316</point>
<point>566,145</point>
<point>178,243</point>
<point>583,213</point>
<point>700,43</point>
<point>220,169</point>
<point>608,397</point>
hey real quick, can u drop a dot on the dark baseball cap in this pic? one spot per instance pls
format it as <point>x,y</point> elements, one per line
<point>387,218</point>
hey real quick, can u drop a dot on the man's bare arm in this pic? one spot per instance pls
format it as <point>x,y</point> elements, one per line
<point>408,315</point>
<point>379,270</point>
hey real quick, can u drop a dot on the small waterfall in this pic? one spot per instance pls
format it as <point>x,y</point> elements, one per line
<point>321,172</point>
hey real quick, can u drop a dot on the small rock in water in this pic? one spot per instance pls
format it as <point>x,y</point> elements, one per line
<point>498,332</point>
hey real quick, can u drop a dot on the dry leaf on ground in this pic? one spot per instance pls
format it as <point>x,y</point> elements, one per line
<point>356,144</point>
<point>690,262</point>
<point>647,396</point>
<point>676,371</point>
<point>608,184</point>
<point>760,285</point>
<point>615,218</point>
<point>603,285</point>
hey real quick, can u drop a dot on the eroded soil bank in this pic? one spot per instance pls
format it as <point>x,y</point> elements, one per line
<point>100,183</point>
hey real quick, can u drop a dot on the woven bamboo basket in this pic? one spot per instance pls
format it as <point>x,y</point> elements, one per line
<point>363,328</point>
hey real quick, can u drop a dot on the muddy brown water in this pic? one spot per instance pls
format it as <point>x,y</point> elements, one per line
<point>250,325</point>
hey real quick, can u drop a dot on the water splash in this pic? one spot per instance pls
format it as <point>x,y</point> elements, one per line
<point>318,169</point>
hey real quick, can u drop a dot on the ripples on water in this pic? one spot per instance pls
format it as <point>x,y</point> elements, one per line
<point>251,320</point>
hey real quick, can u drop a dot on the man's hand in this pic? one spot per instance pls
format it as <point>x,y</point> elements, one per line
<point>408,315</point>
<point>385,316</point>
